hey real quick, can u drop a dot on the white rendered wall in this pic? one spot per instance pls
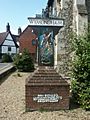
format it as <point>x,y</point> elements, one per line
<point>9,43</point>
<point>5,50</point>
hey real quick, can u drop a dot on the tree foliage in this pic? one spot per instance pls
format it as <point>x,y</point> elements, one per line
<point>81,70</point>
<point>23,62</point>
<point>6,58</point>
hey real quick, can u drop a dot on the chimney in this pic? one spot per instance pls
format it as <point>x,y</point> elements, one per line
<point>8,27</point>
<point>42,13</point>
<point>19,31</point>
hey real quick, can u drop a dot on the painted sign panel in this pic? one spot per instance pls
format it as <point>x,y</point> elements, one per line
<point>46,48</point>
<point>47,98</point>
<point>45,22</point>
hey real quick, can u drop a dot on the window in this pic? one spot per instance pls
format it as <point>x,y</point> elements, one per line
<point>9,48</point>
<point>33,42</point>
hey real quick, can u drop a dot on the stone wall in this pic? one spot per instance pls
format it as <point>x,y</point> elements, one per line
<point>88,9</point>
<point>75,18</point>
<point>82,23</point>
<point>81,2</point>
<point>63,56</point>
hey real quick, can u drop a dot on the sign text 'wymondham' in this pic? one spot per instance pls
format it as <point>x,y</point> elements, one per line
<point>45,22</point>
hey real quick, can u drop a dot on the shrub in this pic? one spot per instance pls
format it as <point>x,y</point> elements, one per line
<point>81,93</point>
<point>6,58</point>
<point>24,62</point>
<point>81,71</point>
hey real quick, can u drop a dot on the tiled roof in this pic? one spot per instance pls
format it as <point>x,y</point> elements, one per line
<point>3,36</point>
<point>15,37</point>
<point>82,9</point>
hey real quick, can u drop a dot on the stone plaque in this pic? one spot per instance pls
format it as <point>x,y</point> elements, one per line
<point>47,98</point>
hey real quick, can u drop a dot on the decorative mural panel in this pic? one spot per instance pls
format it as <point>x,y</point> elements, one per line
<point>46,52</point>
<point>46,28</point>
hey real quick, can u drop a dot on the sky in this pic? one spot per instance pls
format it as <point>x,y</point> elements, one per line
<point>16,13</point>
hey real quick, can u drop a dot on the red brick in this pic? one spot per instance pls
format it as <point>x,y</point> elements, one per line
<point>33,89</point>
<point>25,41</point>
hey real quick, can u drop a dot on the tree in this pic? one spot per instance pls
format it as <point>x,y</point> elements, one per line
<point>6,58</point>
<point>24,62</point>
<point>81,70</point>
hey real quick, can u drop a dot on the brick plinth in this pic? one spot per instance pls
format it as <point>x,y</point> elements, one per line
<point>46,90</point>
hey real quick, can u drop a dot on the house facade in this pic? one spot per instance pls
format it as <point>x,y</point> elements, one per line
<point>8,43</point>
<point>27,40</point>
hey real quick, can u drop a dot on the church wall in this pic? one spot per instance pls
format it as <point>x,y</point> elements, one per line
<point>73,21</point>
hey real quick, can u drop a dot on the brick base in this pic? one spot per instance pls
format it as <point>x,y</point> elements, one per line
<point>46,94</point>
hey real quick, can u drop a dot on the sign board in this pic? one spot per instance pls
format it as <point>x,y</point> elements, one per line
<point>47,98</point>
<point>46,22</point>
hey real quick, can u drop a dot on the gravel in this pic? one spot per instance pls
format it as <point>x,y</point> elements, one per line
<point>12,103</point>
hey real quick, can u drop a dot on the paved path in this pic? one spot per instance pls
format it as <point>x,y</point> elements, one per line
<point>4,66</point>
